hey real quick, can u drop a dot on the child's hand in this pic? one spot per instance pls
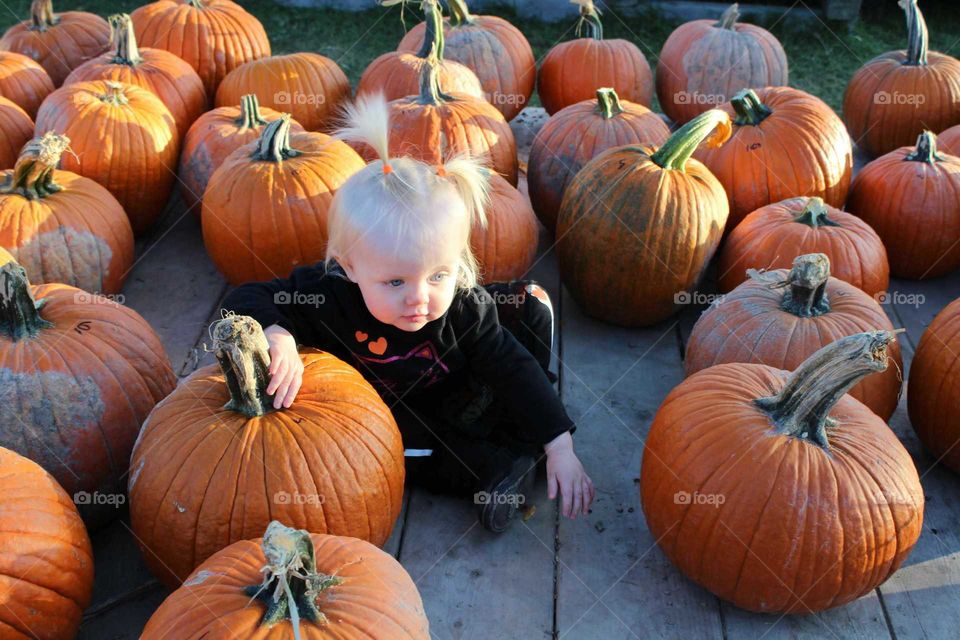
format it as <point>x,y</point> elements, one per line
<point>286,367</point>
<point>565,472</point>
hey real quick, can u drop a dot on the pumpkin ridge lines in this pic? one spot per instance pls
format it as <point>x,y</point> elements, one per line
<point>234,453</point>
<point>42,557</point>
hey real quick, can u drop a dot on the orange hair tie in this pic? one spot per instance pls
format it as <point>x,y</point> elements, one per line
<point>441,171</point>
<point>387,169</point>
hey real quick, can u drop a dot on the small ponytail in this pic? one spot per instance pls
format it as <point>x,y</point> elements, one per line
<point>367,121</point>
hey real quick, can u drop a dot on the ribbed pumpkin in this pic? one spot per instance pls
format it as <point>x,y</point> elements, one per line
<point>16,129</point>
<point>23,81</point>
<point>774,490</point>
<point>638,225</point>
<point>329,586</point>
<point>911,198</point>
<point>949,141</point>
<point>704,63</point>
<point>214,136</point>
<point>265,208</point>
<point>45,554</point>
<point>578,133</point>
<point>396,74</point>
<point>933,398</point>
<point>309,86</point>
<point>123,137</point>
<point>215,463</point>
<point>63,227</point>
<point>84,372</point>
<point>60,42</point>
<point>171,79</point>
<point>781,317</point>
<point>212,36</point>
<point>572,71</point>
<point>894,97</point>
<point>772,236</point>
<point>507,247</point>
<point>785,143</point>
<point>495,50</point>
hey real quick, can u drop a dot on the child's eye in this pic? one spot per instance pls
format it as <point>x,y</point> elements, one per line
<point>437,277</point>
<point>395,282</point>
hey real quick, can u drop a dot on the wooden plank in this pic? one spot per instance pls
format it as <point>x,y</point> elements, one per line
<point>126,621</point>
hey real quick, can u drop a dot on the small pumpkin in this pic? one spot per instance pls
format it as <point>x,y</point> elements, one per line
<point>775,490</point>
<point>16,129</point>
<point>949,141</point>
<point>639,224</point>
<point>909,197</point>
<point>578,133</point>
<point>507,247</point>
<point>331,463</point>
<point>45,554</point>
<point>772,236</point>
<point>23,81</point>
<point>600,63</point>
<point>894,97</point>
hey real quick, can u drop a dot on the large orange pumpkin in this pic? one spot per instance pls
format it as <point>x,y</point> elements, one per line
<point>215,463</point>
<point>495,50</point>
<point>16,129</point>
<point>23,81</point>
<point>894,97</point>
<point>704,63</point>
<point>212,36</point>
<point>507,246</point>
<point>638,225</point>
<point>772,236</point>
<point>214,136</point>
<point>575,135</point>
<point>776,491</point>
<point>85,372</point>
<point>171,79</point>
<point>949,141</point>
<point>60,42</point>
<point>63,227</point>
<point>785,143</point>
<point>123,137</point>
<point>45,554</point>
<point>572,71</point>
<point>911,197</point>
<point>782,317</point>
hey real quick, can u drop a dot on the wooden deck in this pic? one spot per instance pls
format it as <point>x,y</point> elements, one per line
<point>597,577</point>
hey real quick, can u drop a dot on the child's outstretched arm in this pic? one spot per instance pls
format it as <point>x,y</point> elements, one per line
<point>566,473</point>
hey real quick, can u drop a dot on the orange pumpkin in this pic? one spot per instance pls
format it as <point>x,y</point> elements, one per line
<point>704,63</point>
<point>215,463</point>
<point>45,554</point>
<point>785,143</point>
<point>212,36</point>
<point>578,133</point>
<point>123,137</point>
<point>949,141</point>
<point>265,208</point>
<point>23,81</point>
<point>772,236</point>
<point>60,42</point>
<point>774,490</point>
<point>782,317</point>
<point>909,196</point>
<point>638,226</point>
<point>16,129</point>
<point>61,226</point>
<point>506,248</point>
<point>599,63</point>
<point>214,136</point>
<point>171,79</point>
<point>495,50</point>
<point>897,95</point>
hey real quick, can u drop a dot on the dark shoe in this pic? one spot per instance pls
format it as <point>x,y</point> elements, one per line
<point>505,495</point>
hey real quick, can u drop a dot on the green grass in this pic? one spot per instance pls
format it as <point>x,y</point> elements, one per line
<point>822,56</point>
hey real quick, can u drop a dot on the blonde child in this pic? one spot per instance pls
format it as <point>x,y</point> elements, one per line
<point>397,297</point>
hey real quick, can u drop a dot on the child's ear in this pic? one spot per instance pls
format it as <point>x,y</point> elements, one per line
<point>347,268</point>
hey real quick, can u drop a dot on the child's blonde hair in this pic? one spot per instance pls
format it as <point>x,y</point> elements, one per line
<point>392,196</point>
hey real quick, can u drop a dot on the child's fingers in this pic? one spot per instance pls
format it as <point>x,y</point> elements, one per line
<point>587,496</point>
<point>551,486</point>
<point>277,376</point>
<point>292,391</point>
<point>566,490</point>
<point>577,500</point>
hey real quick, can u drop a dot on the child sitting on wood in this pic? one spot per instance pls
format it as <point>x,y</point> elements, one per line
<point>463,368</point>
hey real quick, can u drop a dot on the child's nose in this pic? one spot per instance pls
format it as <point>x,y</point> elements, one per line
<point>418,295</point>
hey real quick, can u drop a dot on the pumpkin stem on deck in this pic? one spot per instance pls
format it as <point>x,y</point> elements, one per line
<point>806,296</point>
<point>750,110</point>
<point>430,91</point>
<point>250,117</point>
<point>433,38</point>
<point>459,13</point>
<point>589,21</point>
<point>729,17</point>
<point>815,214</point>
<point>41,15</point>
<point>680,146</point>
<point>32,176</point>
<point>608,103</point>
<point>274,143</point>
<point>926,150</point>
<point>121,30</point>
<point>244,356</point>
<point>917,36</point>
<point>19,313</point>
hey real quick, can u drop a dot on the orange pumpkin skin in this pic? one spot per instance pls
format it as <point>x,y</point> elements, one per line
<point>5,256</point>
<point>45,554</point>
<point>949,141</point>
<point>507,248</point>
<point>397,75</point>
<point>772,236</point>
<point>933,398</point>
<point>16,129</point>
<point>914,208</point>
<point>705,62</point>
<point>309,86</point>
<point>212,36</point>
<point>800,149</point>
<point>123,137</point>
<point>63,42</point>
<point>23,81</point>
<point>578,133</point>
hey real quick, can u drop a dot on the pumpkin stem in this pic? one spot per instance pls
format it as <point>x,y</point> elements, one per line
<point>42,16</point>
<point>918,38</point>
<point>19,313</point>
<point>430,91</point>
<point>291,582</point>
<point>244,357</point>
<point>749,109</point>
<point>114,94</point>
<point>459,13</point>
<point>196,4</point>
<point>926,150</point>
<point>608,103</point>
<point>274,143</point>
<point>589,21</point>
<point>121,31</point>
<point>815,214</point>
<point>729,17</point>
<point>250,117</point>
<point>802,407</point>
<point>680,146</point>
<point>33,174</point>
<point>807,295</point>
<point>433,38</point>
